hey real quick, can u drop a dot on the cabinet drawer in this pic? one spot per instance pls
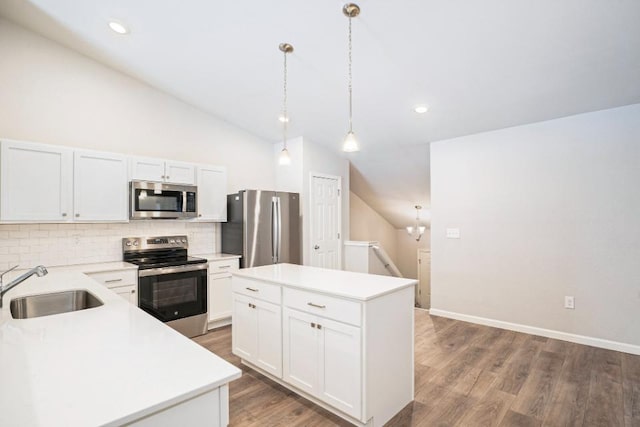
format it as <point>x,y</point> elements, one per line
<point>323,305</point>
<point>112,279</point>
<point>253,288</point>
<point>223,266</point>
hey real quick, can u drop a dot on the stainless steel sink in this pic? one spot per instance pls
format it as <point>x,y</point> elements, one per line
<point>54,303</point>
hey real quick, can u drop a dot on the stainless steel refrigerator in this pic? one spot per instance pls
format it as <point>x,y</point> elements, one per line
<point>263,227</point>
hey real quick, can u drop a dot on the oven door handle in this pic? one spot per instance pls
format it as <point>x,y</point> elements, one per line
<point>171,270</point>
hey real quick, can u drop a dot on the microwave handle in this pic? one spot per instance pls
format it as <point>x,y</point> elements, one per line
<point>184,201</point>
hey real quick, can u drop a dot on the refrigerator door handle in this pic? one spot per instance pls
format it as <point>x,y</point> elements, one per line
<point>274,229</point>
<point>279,230</point>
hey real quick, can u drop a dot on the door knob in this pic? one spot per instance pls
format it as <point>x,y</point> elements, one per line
<point>316,247</point>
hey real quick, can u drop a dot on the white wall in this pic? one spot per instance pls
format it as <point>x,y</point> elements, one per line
<point>306,158</point>
<point>545,210</point>
<point>51,94</point>
<point>368,225</point>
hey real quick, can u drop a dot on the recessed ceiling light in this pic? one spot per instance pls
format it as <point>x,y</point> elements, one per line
<point>283,119</point>
<point>421,109</point>
<point>118,27</point>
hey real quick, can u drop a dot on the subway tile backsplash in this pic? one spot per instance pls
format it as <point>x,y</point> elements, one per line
<point>64,244</point>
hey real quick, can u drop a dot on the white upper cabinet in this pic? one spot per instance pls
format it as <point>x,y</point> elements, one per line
<point>36,182</point>
<point>212,193</point>
<point>100,186</point>
<point>150,169</point>
<point>180,172</point>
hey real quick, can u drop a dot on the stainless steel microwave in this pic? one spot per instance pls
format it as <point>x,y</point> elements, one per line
<point>157,200</point>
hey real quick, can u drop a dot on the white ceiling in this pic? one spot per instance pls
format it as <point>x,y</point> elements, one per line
<point>478,65</point>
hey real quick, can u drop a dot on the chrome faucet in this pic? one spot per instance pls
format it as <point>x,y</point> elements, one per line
<point>39,270</point>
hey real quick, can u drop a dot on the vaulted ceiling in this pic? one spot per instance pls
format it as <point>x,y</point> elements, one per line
<point>478,65</point>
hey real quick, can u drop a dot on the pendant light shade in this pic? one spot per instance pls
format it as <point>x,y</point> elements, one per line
<point>350,144</point>
<point>285,158</point>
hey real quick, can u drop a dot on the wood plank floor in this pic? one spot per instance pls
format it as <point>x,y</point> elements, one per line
<point>469,375</point>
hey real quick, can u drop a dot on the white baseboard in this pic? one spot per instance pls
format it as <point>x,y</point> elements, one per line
<point>219,323</point>
<point>549,333</point>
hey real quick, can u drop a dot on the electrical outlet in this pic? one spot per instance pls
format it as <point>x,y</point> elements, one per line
<point>453,233</point>
<point>569,302</point>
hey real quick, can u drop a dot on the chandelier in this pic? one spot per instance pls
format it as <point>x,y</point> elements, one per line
<point>417,230</point>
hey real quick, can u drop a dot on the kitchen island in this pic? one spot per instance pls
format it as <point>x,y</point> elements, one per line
<point>108,365</point>
<point>343,340</point>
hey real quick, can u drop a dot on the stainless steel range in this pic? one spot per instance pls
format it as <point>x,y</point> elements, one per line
<point>172,286</point>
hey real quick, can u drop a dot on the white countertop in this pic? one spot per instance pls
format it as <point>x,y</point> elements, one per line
<point>358,286</point>
<point>102,366</point>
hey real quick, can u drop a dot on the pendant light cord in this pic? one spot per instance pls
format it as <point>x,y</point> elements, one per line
<point>350,83</point>
<point>284,104</point>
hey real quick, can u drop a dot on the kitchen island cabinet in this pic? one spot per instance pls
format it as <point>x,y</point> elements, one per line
<point>110,365</point>
<point>347,338</point>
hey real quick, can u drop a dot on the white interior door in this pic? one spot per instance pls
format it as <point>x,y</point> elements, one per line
<point>424,279</point>
<point>325,221</point>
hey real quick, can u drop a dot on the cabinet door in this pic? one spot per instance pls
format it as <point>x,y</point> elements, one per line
<point>212,193</point>
<point>100,187</point>
<point>180,173</point>
<point>301,350</point>
<point>220,298</point>
<point>340,380</point>
<point>244,333</point>
<point>269,354</point>
<point>36,182</point>
<point>147,169</point>
<point>128,293</point>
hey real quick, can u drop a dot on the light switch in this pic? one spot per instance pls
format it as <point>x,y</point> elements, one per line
<point>453,233</point>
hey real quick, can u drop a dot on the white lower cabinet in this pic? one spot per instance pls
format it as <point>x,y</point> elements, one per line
<point>219,291</point>
<point>323,358</point>
<point>257,333</point>
<point>122,282</point>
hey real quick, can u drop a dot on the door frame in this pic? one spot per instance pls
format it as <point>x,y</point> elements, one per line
<point>313,175</point>
<point>419,289</point>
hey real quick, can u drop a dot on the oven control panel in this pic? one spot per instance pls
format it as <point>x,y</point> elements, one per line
<point>135,244</point>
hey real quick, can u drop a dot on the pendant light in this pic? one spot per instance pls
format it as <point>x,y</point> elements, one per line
<point>418,230</point>
<point>285,158</point>
<point>350,144</point>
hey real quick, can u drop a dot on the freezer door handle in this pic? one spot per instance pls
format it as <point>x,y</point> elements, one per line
<point>278,230</point>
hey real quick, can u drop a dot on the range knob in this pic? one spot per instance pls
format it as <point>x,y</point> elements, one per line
<point>172,241</point>
<point>135,243</point>
<point>129,243</point>
<point>184,240</point>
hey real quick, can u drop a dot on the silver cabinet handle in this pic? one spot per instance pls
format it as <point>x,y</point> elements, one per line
<point>113,280</point>
<point>133,291</point>
<point>224,266</point>
<point>64,214</point>
<point>163,177</point>
<point>252,289</point>
<point>313,325</point>
<point>319,326</point>
<point>77,215</point>
<point>316,247</point>
<point>316,305</point>
<point>167,176</point>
